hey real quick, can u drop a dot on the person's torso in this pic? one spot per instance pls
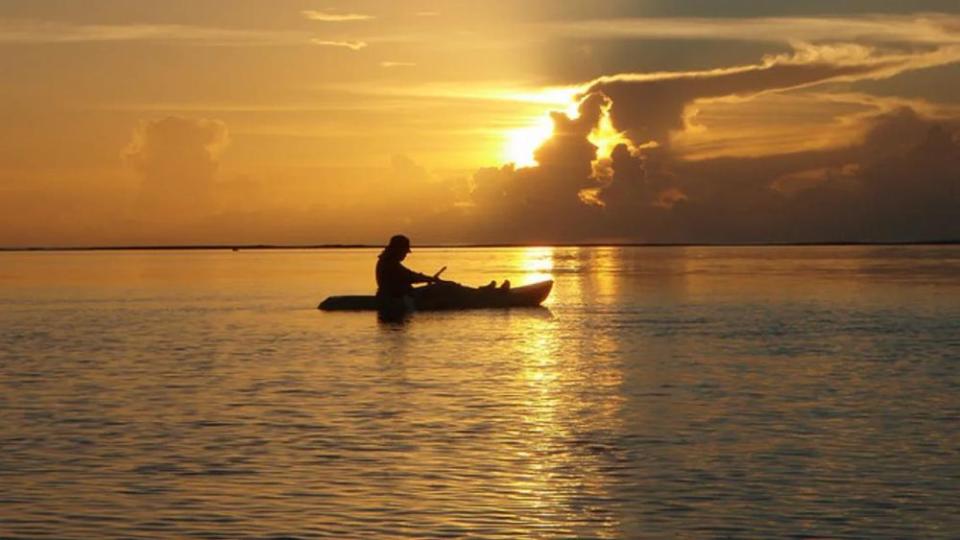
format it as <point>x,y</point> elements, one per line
<point>392,278</point>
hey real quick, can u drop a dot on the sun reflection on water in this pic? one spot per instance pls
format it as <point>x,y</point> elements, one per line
<point>536,263</point>
<point>544,452</point>
<point>563,457</point>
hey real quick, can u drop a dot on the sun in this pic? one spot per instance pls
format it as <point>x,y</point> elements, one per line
<point>521,143</point>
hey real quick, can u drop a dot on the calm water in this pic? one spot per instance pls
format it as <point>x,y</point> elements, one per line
<point>663,393</point>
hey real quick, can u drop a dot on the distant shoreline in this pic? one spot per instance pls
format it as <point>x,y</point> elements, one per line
<point>246,247</point>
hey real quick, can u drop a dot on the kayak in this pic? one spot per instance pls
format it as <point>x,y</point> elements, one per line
<point>448,295</point>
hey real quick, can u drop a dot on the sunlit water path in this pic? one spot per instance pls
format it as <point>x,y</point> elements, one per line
<point>662,393</point>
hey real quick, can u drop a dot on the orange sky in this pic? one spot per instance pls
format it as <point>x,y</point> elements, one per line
<point>132,122</point>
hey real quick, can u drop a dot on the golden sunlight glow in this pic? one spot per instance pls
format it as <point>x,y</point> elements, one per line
<point>523,142</point>
<point>537,263</point>
<point>606,137</point>
<point>558,96</point>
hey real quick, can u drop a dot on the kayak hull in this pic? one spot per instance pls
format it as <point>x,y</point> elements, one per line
<point>446,296</point>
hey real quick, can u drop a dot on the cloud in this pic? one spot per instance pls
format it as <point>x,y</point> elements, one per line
<point>542,203</point>
<point>778,123</point>
<point>326,16</point>
<point>649,106</point>
<point>933,28</point>
<point>38,32</point>
<point>177,160</point>
<point>891,174</point>
<point>901,182</point>
<point>352,45</point>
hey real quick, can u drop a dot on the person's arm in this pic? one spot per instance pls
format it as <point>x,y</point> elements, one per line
<point>417,277</point>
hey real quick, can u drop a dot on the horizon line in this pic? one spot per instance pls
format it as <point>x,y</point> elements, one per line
<point>237,247</point>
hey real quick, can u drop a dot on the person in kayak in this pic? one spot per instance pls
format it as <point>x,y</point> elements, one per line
<point>394,280</point>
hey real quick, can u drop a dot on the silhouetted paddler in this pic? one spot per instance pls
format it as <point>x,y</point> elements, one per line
<point>394,280</point>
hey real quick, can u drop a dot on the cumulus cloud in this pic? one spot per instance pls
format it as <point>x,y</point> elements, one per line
<point>546,199</point>
<point>901,182</point>
<point>177,160</point>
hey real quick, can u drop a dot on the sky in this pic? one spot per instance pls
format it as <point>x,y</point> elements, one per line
<point>133,122</point>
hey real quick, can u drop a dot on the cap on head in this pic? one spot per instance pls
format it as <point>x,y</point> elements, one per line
<point>399,243</point>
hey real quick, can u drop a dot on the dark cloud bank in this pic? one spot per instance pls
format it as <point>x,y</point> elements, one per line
<point>901,182</point>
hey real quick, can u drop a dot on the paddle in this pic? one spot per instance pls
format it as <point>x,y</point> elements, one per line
<point>437,279</point>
